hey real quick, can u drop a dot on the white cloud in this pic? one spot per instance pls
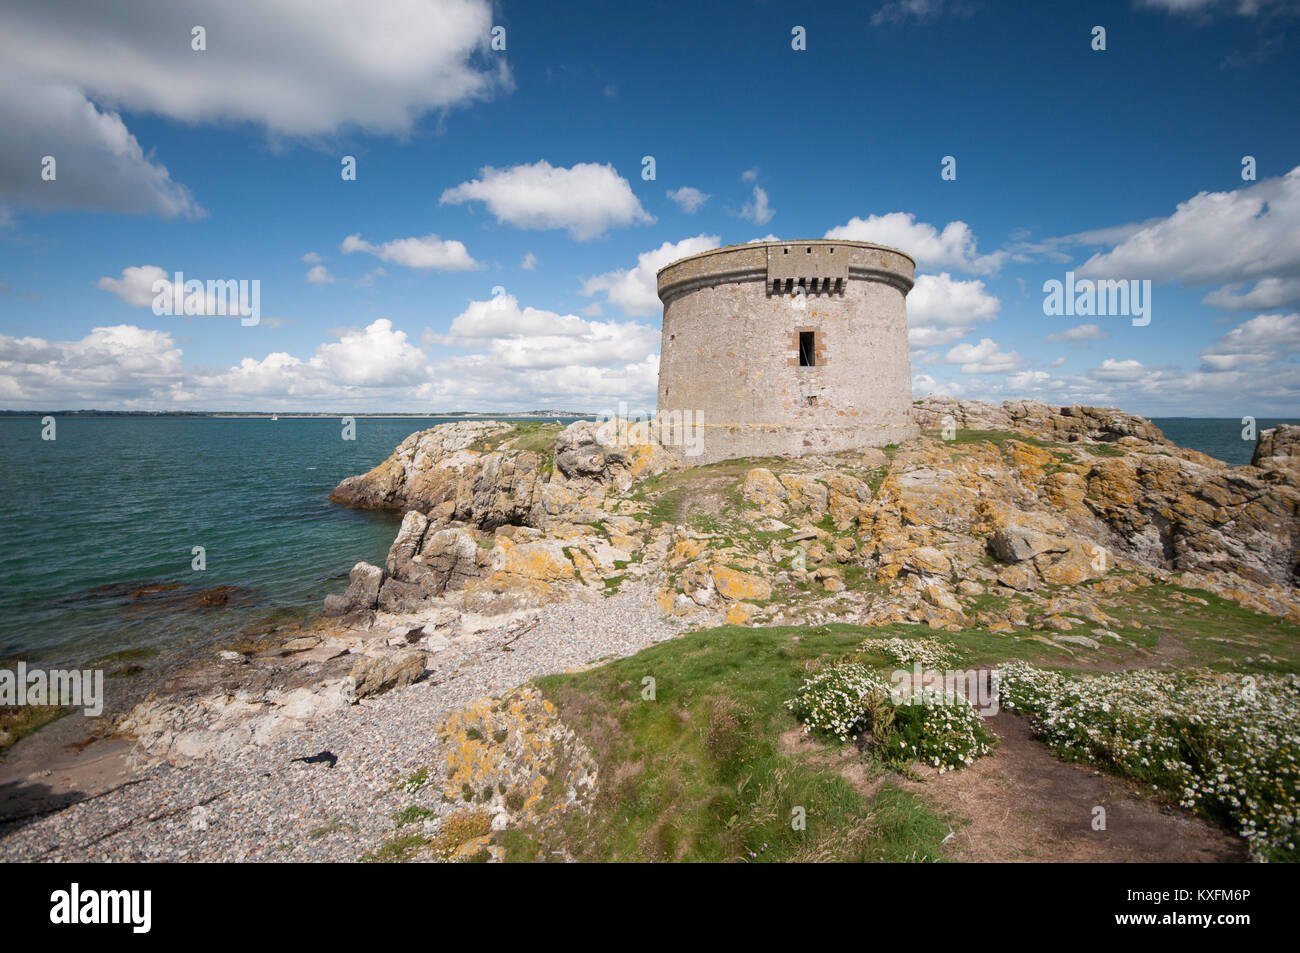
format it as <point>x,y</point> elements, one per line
<point>529,263</point>
<point>297,68</point>
<point>749,175</point>
<point>941,301</point>
<point>121,365</point>
<point>1082,332</point>
<point>1261,341</point>
<point>757,209</point>
<point>1267,293</point>
<point>320,275</point>
<point>427,252</point>
<point>941,310</point>
<point>688,199</point>
<point>954,247</point>
<point>636,290</point>
<point>301,67</point>
<point>526,357</point>
<point>137,284</point>
<point>533,338</point>
<point>1027,381</point>
<point>1251,234</point>
<point>587,199</point>
<point>983,358</point>
<point>374,363</point>
<point>312,258</point>
<point>923,384</point>
<point>1113,370</point>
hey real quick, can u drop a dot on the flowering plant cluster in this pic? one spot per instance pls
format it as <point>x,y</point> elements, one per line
<point>849,698</point>
<point>945,736</point>
<point>1226,745</point>
<point>838,700</point>
<point>906,651</point>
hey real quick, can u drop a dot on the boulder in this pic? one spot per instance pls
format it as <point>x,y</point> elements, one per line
<point>375,674</point>
<point>362,593</point>
<point>1015,544</point>
<point>1278,447</point>
<point>611,453</point>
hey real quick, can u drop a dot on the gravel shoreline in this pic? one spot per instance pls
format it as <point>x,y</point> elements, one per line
<point>266,807</point>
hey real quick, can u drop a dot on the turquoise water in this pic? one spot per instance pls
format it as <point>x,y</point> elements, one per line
<point>121,502</point>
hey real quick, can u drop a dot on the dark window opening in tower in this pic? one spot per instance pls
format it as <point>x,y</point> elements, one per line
<point>807,349</point>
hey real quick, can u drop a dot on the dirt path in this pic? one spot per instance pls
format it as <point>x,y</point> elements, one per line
<point>1022,804</point>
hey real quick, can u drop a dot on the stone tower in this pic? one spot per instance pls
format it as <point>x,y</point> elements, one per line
<point>787,348</point>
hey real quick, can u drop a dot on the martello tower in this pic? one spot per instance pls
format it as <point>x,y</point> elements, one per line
<point>788,348</point>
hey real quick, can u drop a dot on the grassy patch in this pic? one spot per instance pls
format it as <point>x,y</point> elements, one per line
<point>698,773</point>
<point>531,435</point>
<point>396,850</point>
<point>706,772</point>
<point>413,814</point>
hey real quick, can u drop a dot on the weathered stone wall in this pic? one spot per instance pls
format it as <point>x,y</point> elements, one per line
<point>730,351</point>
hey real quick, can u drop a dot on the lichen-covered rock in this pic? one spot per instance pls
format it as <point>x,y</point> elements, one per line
<point>735,586</point>
<point>528,572</point>
<point>612,453</point>
<point>514,758</point>
<point>765,491</point>
<point>425,471</point>
<point>468,472</point>
<point>1045,421</point>
<point>1015,543</point>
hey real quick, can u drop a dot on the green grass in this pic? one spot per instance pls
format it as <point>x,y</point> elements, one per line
<point>699,774</point>
<point>396,850</point>
<point>532,435</point>
<point>996,437</point>
<point>413,814</point>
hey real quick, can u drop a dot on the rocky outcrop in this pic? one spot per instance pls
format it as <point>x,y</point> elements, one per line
<point>446,472</point>
<point>1036,419</point>
<point>1278,449</point>
<point>362,592</point>
<point>1040,501</point>
<point>1056,503</point>
<point>613,454</point>
<point>470,472</point>
<point>477,509</point>
<point>376,674</point>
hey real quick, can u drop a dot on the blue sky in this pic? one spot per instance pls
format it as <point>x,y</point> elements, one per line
<point>521,170</point>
